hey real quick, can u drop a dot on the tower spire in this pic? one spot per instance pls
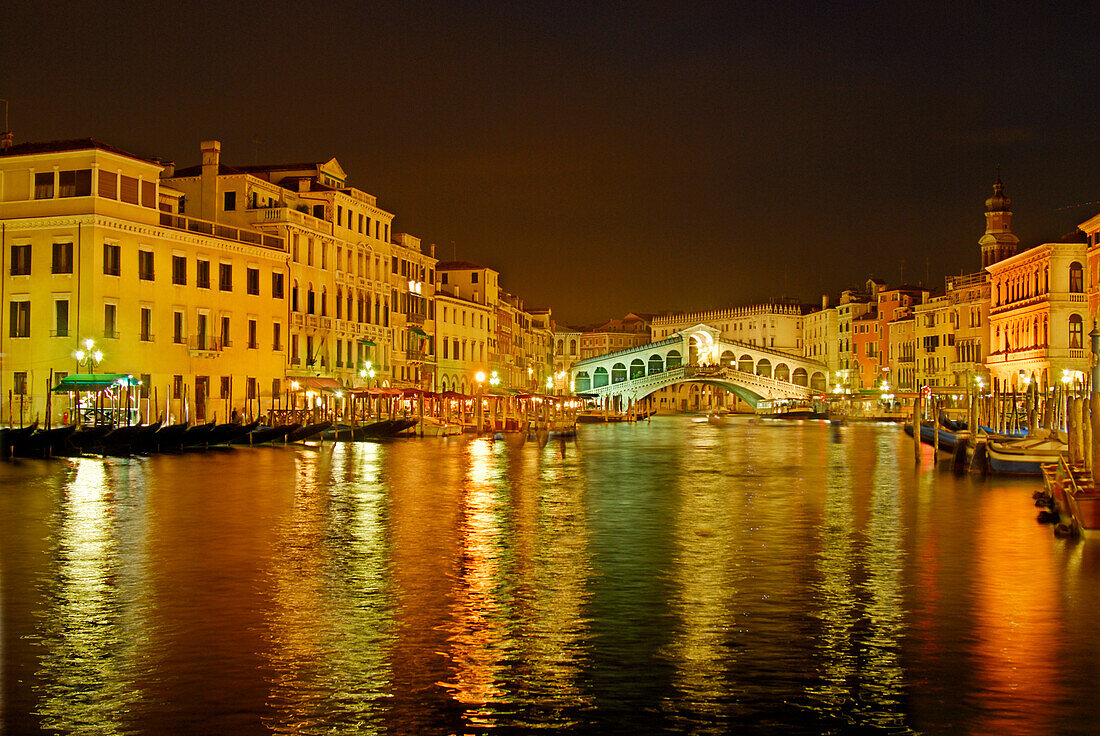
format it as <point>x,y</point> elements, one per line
<point>998,242</point>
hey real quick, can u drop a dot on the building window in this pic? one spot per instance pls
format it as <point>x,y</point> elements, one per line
<point>226,342</point>
<point>145,265</point>
<point>202,274</point>
<point>20,260</point>
<point>74,183</point>
<point>43,186</point>
<point>112,259</point>
<point>20,319</point>
<point>473,278</point>
<point>230,201</point>
<point>1076,332</point>
<point>224,388</point>
<point>19,383</point>
<point>252,281</point>
<point>61,318</point>
<point>177,328</point>
<point>276,336</point>
<point>179,270</point>
<point>1076,278</point>
<point>225,276</point>
<point>276,387</point>
<point>177,387</point>
<point>146,334</point>
<point>294,298</point>
<point>252,344</point>
<point>109,315</point>
<point>62,258</point>
<point>276,285</point>
<point>250,387</point>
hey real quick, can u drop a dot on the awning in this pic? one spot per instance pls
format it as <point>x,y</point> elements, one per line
<point>317,383</point>
<point>418,331</point>
<point>368,343</point>
<point>93,382</point>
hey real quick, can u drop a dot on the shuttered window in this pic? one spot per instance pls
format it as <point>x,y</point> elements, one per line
<point>148,194</point>
<point>108,184</point>
<point>128,191</point>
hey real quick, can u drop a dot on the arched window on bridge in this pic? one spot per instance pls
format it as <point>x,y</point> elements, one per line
<point>673,360</point>
<point>583,382</point>
<point>800,377</point>
<point>656,364</point>
<point>744,363</point>
<point>637,368</point>
<point>599,377</point>
<point>783,372</point>
<point>618,373</point>
<point>727,359</point>
<point>817,381</point>
<point>764,368</point>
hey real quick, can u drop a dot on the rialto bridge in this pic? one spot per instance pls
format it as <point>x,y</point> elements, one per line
<point>699,354</point>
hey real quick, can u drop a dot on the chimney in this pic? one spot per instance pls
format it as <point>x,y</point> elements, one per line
<point>433,250</point>
<point>824,301</point>
<point>6,139</point>
<point>169,169</point>
<point>208,200</point>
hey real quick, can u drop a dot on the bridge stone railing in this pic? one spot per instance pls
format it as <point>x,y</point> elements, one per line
<point>764,386</point>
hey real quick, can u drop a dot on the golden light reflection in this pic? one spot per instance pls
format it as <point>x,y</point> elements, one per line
<point>85,669</point>
<point>1018,640</point>
<point>330,653</point>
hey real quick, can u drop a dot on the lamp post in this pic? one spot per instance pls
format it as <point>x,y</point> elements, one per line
<point>88,355</point>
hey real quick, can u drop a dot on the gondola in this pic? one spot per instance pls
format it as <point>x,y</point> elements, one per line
<point>47,442</point>
<point>125,440</point>
<point>225,433</point>
<point>196,435</point>
<point>13,439</point>
<point>260,435</point>
<point>168,438</point>
<point>309,431</point>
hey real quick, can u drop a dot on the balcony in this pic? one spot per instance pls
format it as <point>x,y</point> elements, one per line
<point>218,230</point>
<point>413,318</point>
<point>416,356</point>
<point>271,215</point>
<point>203,345</point>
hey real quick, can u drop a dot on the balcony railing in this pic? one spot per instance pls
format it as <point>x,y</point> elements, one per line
<point>413,318</point>
<point>204,343</point>
<point>218,230</point>
<point>287,214</point>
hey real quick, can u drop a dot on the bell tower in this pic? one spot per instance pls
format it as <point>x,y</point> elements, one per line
<point>998,242</point>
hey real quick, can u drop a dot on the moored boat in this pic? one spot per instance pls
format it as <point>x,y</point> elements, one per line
<point>1023,456</point>
<point>309,431</point>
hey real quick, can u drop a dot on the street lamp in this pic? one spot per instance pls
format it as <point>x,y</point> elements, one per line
<point>88,355</point>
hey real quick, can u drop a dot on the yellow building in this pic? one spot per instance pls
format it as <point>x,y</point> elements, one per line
<point>358,294</point>
<point>465,326</point>
<point>95,248</point>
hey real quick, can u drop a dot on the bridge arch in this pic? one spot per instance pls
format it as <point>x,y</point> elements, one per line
<point>656,364</point>
<point>673,360</point>
<point>800,378</point>
<point>599,377</point>
<point>745,363</point>
<point>637,368</point>
<point>618,373</point>
<point>817,381</point>
<point>727,358</point>
<point>764,368</point>
<point>782,372</point>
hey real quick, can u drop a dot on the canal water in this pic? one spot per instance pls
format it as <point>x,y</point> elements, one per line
<point>665,577</point>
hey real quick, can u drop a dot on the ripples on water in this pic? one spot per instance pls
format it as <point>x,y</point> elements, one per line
<point>666,577</point>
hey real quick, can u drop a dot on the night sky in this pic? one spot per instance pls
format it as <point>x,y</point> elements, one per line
<point>612,157</point>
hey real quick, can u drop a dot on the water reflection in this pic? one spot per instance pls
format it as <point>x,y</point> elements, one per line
<point>672,576</point>
<point>88,651</point>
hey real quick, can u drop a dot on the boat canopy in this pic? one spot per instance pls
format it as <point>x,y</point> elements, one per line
<point>94,382</point>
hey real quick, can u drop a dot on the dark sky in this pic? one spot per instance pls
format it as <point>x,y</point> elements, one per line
<point>612,157</point>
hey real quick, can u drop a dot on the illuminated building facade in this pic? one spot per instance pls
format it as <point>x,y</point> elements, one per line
<point>95,247</point>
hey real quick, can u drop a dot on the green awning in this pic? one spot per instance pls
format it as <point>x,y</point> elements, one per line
<point>93,382</point>
<point>370,343</point>
<point>418,331</point>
